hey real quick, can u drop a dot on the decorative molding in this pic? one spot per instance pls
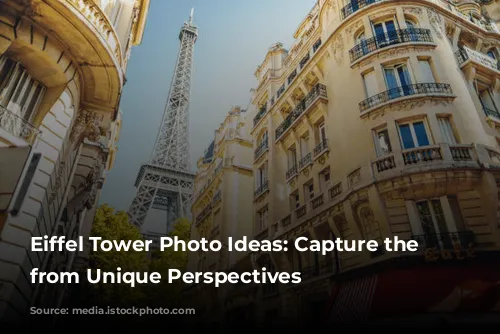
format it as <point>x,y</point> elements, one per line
<point>86,125</point>
<point>435,21</point>
<point>413,11</point>
<point>410,104</point>
<point>394,52</point>
<point>338,49</point>
<point>387,12</point>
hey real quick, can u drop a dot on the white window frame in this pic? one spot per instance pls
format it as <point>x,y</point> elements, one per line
<point>394,68</point>
<point>412,131</point>
<point>376,140</point>
<point>454,138</point>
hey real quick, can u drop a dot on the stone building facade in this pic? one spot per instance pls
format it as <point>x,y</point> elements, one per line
<point>62,71</point>
<point>220,208</point>
<point>382,120</point>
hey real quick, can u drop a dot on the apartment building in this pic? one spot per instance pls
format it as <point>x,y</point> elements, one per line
<point>380,121</point>
<point>222,206</point>
<point>62,71</point>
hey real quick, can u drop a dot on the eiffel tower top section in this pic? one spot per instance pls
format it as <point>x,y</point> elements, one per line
<point>189,27</point>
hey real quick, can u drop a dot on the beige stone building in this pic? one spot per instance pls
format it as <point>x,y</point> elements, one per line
<point>220,206</point>
<point>62,71</point>
<point>381,120</point>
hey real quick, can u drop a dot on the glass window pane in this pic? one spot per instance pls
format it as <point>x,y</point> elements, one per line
<point>390,78</point>
<point>421,134</point>
<point>406,137</point>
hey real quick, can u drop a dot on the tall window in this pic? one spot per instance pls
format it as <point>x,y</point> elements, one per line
<point>447,130</point>
<point>292,157</point>
<point>304,146</point>
<point>434,224</point>
<point>426,71</point>
<point>413,134</point>
<point>261,178</point>
<point>486,99</point>
<point>398,80</point>
<point>382,142</point>
<point>370,82</point>
<point>19,92</point>
<point>385,32</point>
<point>324,179</point>
<point>262,216</point>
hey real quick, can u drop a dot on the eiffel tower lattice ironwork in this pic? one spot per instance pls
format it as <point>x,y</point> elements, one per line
<point>165,183</point>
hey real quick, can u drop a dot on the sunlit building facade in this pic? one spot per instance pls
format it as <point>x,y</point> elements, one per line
<point>220,206</point>
<point>62,71</point>
<point>381,121</point>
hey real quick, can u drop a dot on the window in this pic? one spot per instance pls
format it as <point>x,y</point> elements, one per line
<point>262,216</point>
<point>295,200</point>
<point>447,130</point>
<point>398,81</point>
<point>487,102</point>
<point>361,41</point>
<point>370,82</point>
<point>292,157</point>
<point>434,225</point>
<point>413,134</point>
<point>19,92</point>
<point>322,133</point>
<point>324,179</point>
<point>491,54</point>
<point>261,176</point>
<point>426,71</point>
<point>382,142</point>
<point>309,190</point>
<point>304,146</point>
<point>385,32</point>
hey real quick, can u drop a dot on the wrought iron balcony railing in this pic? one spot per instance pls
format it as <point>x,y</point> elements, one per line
<point>217,197</point>
<point>412,35</point>
<point>465,54</point>
<point>261,189</point>
<point>491,112</point>
<point>452,240</point>
<point>355,5</point>
<point>408,90</point>
<point>261,149</point>
<point>321,147</point>
<point>319,90</point>
<point>291,172</point>
<point>17,126</point>
<point>306,160</point>
<point>260,114</point>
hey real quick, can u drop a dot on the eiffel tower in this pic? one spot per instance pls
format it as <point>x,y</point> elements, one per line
<point>165,183</point>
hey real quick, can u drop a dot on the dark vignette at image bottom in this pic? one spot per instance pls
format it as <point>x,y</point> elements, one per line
<point>465,295</point>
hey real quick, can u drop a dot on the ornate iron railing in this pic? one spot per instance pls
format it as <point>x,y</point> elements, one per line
<point>306,160</point>
<point>412,35</point>
<point>321,147</point>
<point>464,54</point>
<point>319,90</point>
<point>354,6</point>
<point>291,172</point>
<point>260,114</point>
<point>261,149</point>
<point>17,126</point>
<point>408,90</point>
<point>261,189</point>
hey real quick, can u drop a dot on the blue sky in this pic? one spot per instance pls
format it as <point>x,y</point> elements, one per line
<point>234,36</point>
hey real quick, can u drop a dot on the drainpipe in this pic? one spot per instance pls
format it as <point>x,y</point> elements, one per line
<point>58,217</point>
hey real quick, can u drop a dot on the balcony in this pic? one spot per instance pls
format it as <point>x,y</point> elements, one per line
<point>467,56</point>
<point>260,114</point>
<point>429,157</point>
<point>261,149</point>
<point>18,127</point>
<point>318,92</point>
<point>321,148</point>
<point>301,211</point>
<point>317,201</point>
<point>305,161</point>
<point>291,172</point>
<point>354,6</point>
<point>405,92</point>
<point>491,113</point>
<point>261,189</point>
<point>368,46</point>
<point>204,213</point>
<point>446,241</point>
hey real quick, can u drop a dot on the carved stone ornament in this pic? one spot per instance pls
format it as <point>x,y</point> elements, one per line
<point>394,52</point>
<point>409,105</point>
<point>416,11</point>
<point>353,28</point>
<point>338,49</point>
<point>86,125</point>
<point>435,21</point>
